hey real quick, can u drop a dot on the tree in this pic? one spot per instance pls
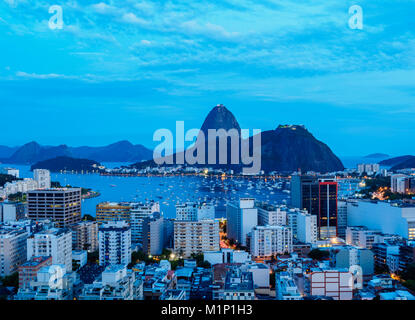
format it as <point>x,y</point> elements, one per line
<point>88,217</point>
<point>272,279</point>
<point>75,265</point>
<point>93,257</point>
<point>381,269</point>
<point>317,254</point>
<point>200,260</point>
<point>11,280</point>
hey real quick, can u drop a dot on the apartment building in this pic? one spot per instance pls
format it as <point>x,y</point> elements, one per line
<point>85,236</point>
<point>53,242</point>
<point>114,243</point>
<point>12,250</point>
<point>268,241</point>
<point>62,205</point>
<point>113,211</point>
<point>196,236</point>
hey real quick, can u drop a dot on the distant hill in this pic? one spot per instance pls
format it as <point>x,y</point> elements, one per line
<point>407,164</point>
<point>66,163</point>
<point>377,156</point>
<point>6,152</point>
<point>122,151</point>
<point>288,148</point>
<point>33,152</point>
<point>395,161</point>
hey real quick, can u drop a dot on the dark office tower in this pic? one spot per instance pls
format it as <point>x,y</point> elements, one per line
<point>305,193</point>
<point>62,205</point>
<point>318,197</point>
<point>327,218</point>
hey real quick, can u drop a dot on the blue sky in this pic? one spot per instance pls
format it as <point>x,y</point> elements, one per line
<point>123,69</point>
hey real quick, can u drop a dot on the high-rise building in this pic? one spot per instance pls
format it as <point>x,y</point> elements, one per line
<point>327,216</point>
<point>341,218</point>
<point>192,211</point>
<point>168,232</point>
<point>113,211</point>
<point>241,218</point>
<point>53,242</point>
<point>114,243</point>
<point>205,211</point>
<point>268,241</point>
<point>153,234</point>
<point>42,177</point>
<point>305,193</point>
<point>319,197</point>
<point>12,211</point>
<point>12,249</point>
<point>306,227</point>
<point>196,236</point>
<point>271,215</point>
<point>62,205</point>
<point>85,236</point>
<point>139,212</point>
<point>186,211</point>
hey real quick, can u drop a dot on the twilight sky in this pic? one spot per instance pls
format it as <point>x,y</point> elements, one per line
<point>123,69</point>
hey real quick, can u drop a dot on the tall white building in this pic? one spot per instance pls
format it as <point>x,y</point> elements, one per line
<point>267,241</point>
<point>12,250</point>
<point>186,211</point>
<point>139,212</point>
<point>271,215</point>
<point>192,211</point>
<point>205,211</point>
<point>114,243</point>
<point>53,242</point>
<point>196,236</point>
<point>42,177</point>
<point>241,218</point>
<point>306,227</point>
<point>303,225</point>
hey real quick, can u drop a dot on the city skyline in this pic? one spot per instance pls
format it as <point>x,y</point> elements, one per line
<point>116,65</point>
